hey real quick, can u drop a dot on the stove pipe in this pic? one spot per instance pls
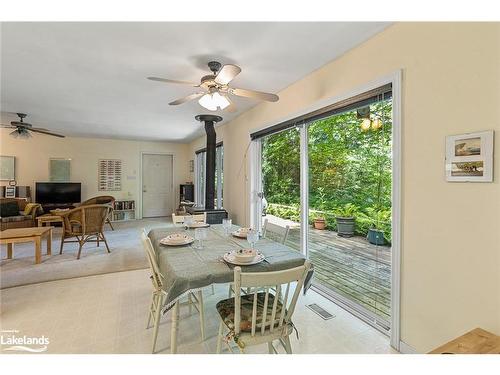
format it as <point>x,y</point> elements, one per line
<point>209,121</point>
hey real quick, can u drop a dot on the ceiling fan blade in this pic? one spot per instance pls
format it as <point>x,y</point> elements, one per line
<point>6,126</point>
<point>187,98</point>
<point>173,81</point>
<point>231,107</point>
<point>227,74</point>
<point>254,94</point>
<point>43,131</point>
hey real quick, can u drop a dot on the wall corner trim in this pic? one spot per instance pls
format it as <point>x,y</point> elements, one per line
<point>404,348</point>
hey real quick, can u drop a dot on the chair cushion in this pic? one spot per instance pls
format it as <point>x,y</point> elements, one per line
<point>9,208</point>
<point>11,219</point>
<point>225,309</point>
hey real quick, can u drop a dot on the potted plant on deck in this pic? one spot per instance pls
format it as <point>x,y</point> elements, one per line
<point>345,217</point>
<point>378,218</point>
<point>319,221</point>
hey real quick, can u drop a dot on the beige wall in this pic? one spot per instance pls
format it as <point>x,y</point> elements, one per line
<point>32,161</point>
<point>451,231</point>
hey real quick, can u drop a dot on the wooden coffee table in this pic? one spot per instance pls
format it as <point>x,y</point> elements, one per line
<point>35,234</point>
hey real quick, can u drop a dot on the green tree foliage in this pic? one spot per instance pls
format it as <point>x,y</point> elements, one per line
<point>346,164</point>
<point>281,167</point>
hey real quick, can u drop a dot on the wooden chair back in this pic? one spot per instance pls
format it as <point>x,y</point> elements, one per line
<point>255,282</point>
<point>85,220</point>
<point>198,218</point>
<point>275,232</point>
<point>177,219</point>
<point>156,275</point>
<point>101,199</point>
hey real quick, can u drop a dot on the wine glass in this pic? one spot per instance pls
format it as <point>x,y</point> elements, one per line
<point>188,221</point>
<point>200,234</point>
<point>227,224</point>
<point>252,237</point>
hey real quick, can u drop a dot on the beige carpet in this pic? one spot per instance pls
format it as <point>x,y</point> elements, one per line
<point>126,254</point>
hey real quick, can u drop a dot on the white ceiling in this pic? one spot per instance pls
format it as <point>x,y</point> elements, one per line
<point>89,79</point>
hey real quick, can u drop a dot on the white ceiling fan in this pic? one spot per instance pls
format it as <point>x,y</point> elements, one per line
<point>216,88</point>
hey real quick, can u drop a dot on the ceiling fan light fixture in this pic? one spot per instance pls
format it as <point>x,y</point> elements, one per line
<point>21,133</point>
<point>212,101</point>
<point>207,102</point>
<point>221,100</point>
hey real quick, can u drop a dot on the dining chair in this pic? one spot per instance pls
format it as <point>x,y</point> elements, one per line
<point>86,224</point>
<point>275,232</point>
<point>264,315</point>
<point>198,218</point>
<point>159,294</point>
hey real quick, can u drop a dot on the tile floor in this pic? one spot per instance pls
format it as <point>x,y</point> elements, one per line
<point>107,314</point>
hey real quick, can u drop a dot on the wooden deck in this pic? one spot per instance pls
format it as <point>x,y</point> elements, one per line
<point>352,267</point>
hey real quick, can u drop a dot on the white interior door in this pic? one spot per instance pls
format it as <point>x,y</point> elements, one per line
<point>157,185</point>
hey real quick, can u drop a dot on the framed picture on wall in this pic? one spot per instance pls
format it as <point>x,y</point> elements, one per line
<point>59,170</point>
<point>7,168</point>
<point>469,157</point>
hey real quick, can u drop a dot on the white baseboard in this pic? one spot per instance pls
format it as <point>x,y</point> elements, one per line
<point>404,348</point>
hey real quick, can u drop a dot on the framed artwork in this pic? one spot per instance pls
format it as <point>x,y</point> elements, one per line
<point>7,168</point>
<point>10,192</point>
<point>60,170</point>
<point>469,157</point>
<point>110,174</point>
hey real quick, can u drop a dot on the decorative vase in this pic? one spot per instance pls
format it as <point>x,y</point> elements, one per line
<point>345,226</point>
<point>375,237</point>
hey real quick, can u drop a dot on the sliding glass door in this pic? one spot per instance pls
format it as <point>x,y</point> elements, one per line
<point>280,162</point>
<point>330,180</point>
<point>350,178</point>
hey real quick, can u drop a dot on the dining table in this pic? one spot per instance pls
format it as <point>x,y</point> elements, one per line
<point>190,268</point>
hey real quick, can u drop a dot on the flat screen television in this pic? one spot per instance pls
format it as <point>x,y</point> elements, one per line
<point>58,192</point>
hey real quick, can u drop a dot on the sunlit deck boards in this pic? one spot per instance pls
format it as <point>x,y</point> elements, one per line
<point>351,266</point>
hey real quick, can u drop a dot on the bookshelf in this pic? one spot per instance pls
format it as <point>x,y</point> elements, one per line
<point>124,210</point>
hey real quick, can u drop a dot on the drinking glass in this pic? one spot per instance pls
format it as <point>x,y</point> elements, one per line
<point>227,224</point>
<point>200,234</point>
<point>252,237</point>
<point>188,220</point>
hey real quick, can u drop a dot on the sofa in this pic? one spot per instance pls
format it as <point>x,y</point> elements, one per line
<point>13,215</point>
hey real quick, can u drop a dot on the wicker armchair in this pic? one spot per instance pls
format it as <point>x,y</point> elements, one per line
<point>102,199</point>
<point>86,224</point>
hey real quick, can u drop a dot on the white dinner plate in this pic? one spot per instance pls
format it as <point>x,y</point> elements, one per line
<point>239,234</point>
<point>229,258</point>
<point>197,225</point>
<point>177,239</point>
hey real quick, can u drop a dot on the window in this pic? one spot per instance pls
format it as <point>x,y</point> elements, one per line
<point>199,178</point>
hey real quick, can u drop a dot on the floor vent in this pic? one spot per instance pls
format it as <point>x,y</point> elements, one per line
<point>320,311</point>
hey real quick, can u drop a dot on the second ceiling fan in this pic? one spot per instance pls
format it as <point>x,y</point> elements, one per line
<point>216,88</point>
